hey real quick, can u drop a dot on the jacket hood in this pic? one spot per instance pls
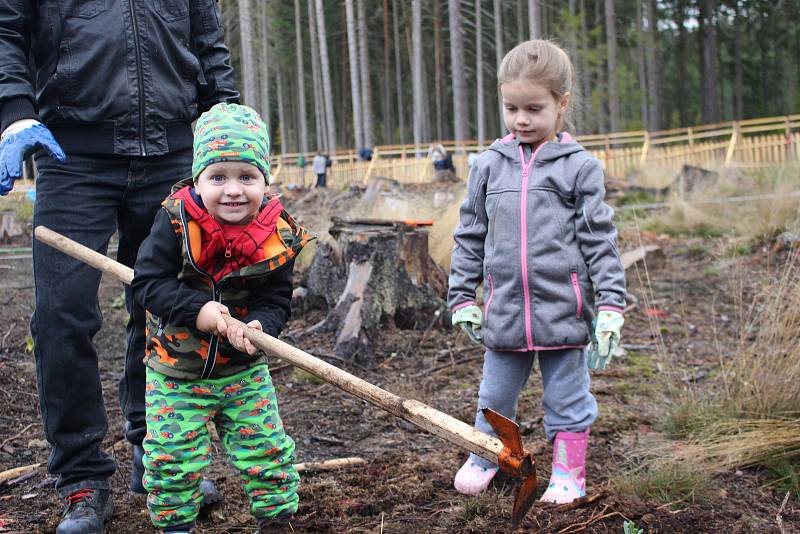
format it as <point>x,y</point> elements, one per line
<point>508,146</point>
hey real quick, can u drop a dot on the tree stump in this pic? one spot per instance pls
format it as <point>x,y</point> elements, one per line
<point>10,226</point>
<point>377,273</point>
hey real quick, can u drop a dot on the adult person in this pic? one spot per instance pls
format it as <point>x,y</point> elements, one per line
<point>109,91</point>
<point>320,167</point>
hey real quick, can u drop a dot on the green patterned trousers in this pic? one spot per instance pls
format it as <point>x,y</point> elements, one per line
<point>178,446</point>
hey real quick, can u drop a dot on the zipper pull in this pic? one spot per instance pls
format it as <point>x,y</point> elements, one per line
<point>228,253</point>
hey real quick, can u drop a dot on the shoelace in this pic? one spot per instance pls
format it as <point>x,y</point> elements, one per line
<point>78,496</point>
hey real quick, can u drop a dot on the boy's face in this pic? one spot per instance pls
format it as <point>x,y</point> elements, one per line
<point>232,191</point>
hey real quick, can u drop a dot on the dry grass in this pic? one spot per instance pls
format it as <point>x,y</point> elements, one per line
<point>704,213</point>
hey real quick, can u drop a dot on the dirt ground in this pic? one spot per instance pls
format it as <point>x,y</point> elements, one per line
<point>406,485</point>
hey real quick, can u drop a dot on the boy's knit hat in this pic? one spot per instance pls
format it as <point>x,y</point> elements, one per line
<point>231,132</point>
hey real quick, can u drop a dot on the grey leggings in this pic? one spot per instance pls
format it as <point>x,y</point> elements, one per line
<point>568,404</point>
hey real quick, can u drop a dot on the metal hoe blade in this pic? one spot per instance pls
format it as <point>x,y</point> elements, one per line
<point>515,461</point>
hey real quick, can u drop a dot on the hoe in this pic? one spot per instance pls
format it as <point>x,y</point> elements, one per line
<point>507,451</point>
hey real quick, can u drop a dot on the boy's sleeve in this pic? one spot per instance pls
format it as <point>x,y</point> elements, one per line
<point>466,262</point>
<point>218,83</point>
<point>597,238</point>
<point>156,286</point>
<point>271,303</point>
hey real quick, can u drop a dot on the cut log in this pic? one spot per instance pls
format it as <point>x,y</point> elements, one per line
<point>376,272</point>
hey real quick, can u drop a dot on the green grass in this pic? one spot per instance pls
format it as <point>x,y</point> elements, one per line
<point>473,507</point>
<point>784,474</point>
<point>664,483</point>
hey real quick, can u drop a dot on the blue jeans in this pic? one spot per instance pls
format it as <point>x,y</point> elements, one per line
<point>568,404</point>
<point>88,199</point>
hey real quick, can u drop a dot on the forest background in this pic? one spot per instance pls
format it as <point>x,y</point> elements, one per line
<point>358,73</point>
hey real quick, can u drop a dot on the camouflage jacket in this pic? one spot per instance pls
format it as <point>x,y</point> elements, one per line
<point>170,285</point>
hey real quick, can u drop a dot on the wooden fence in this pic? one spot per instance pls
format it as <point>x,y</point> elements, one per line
<point>750,143</point>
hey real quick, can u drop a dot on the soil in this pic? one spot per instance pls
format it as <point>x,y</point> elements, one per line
<point>406,485</point>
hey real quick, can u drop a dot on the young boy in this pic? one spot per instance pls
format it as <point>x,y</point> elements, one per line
<point>219,246</point>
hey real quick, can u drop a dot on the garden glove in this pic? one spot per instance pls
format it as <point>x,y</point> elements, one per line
<point>605,339</point>
<point>469,318</point>
<point>19,140</point>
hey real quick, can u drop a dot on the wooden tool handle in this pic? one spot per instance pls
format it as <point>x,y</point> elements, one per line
<point>422,415</point>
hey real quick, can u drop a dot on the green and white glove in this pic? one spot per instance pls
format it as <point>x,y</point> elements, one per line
<point>605,339</point>
<point>469,318</point>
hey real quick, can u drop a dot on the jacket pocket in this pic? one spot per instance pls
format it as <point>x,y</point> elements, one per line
<point>172,10</point>
<point>488,302</point>
<point>84,9</point>
<point>576,287</point>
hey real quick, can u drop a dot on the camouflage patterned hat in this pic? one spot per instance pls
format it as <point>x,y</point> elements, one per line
<point>231,132</point>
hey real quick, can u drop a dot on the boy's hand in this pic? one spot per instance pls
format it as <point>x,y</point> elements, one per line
<point>469,318</point>
<point>239,342</point>
<point>209,319</point>
<point>606,338</point>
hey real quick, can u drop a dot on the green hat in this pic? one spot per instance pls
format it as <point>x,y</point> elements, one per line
<point>231,132</point>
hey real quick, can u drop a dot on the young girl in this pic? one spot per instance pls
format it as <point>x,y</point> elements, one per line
<point>535,230</point>
<point>220,246</point>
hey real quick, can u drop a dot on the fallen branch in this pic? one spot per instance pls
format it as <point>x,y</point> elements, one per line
<point>779,516</point>
<point>11,474</point>
<point>329,465</point>
<point>582,501</point>
<point>15,436</point>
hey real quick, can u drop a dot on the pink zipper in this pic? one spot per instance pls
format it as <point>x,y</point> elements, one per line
<point>488,300</point>
<point>523,221</point>
<point>578,296</point>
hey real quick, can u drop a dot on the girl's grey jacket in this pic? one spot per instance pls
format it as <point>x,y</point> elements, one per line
<point>540,237</point>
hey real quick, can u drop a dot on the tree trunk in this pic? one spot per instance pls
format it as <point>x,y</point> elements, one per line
<point>611,46</point>
<point>708,61</point>
<point>600,75</point>
<point>264,67</point>
<point>640,56</point>
<point>355,85</point>
<point>479,73</point>
<point>366,82</point>
<point>681,92</point>
<point>248,59</point>
<point>282,124</point>
<point>460,97</point>
<point>498,56</point>
<point>589,120</point>
<point>654,66</point>
<point>520,21</point>
<point>416,71</point>
<point>302,119</point>
<point>398,74</point>
<point>738,85</point>
<point>326,78</point>
<point>386,94</point>
<point>437,63</point>
<point>319,101</point>
<point>535,18</point>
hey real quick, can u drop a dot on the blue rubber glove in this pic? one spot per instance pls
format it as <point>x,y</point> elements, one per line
<point>605,339</point>
<point>469,318</point>
<point>20,142</point>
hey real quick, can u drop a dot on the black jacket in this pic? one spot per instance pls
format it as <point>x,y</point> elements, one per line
<point>120,77</point>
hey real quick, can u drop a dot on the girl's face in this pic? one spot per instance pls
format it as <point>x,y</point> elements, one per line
<point>232,191</point>
<point>530,111</point>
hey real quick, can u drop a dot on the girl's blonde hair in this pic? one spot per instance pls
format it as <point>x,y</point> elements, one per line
<point>541,62</point>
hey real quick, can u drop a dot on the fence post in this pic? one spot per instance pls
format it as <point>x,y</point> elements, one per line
<point>645,149</point>
<point>368,174</point>
<point>732,144</point>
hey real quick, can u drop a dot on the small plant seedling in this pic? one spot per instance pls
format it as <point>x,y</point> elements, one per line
<point>629,527</point>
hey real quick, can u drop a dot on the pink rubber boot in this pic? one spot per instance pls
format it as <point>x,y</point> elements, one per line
<point>472,478</point>
<point>568,480</point>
